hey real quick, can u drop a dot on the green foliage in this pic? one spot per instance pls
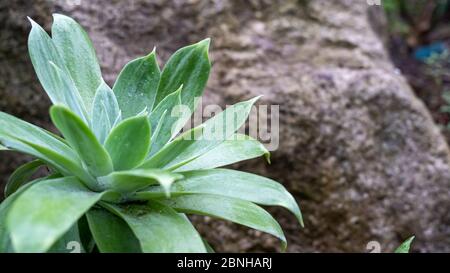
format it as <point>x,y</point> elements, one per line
<point>405,246</point>
<point>21,176</point>
<point>136,85</point>
<point>123,179</point>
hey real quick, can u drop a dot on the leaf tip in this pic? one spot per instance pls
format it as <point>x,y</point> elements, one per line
<point>151,55</point>
<point>267,156</point>
<point>258,97</point>
<point>283,245</point>
<point>179,89</point>
<point>405,246</point>
<point>32,22</point>
<point>301,221</point>
<point>56,16</point>
<point>205,43</point>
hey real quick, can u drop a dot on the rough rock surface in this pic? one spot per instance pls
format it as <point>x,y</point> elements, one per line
<point>357,148</point>
<point>20,92</point>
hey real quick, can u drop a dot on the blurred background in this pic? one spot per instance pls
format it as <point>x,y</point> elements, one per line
<point>419,39</point>
<point>363,90</point>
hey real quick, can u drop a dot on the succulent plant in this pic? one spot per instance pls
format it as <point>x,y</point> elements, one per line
<point>122,178</point>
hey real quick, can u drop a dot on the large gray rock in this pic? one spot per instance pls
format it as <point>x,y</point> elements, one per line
<point>357,149</point>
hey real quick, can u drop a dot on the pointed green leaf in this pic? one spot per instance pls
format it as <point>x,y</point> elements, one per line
<point>64,165</point>
<point>190,67</point>
<point>3,148</point>
<point>52,72</point>
<point>78,55</point>
<point>111,233</point>
<point>12,127</point>
<point>82,140</point>
<point>155,135</point>
<point>46,211</point>
<point>223,125</point>
<point>165,132</point>
<point>24,137</point>
<point>129,142</point>
<point>52,158</point>
<point>5,206</point>
<point>105,112</point>
<point>136,85</point>
<point>21,176</point>
<point>237,148</point>
<point>214,131</point>
<point>43,52</point>
<point>159,228</point>
<point>229,183</point>
<point>69,94</point>
<point>231,209</point>
<point>172,150</point>
<point>405,246</point>
<point>133,180</point>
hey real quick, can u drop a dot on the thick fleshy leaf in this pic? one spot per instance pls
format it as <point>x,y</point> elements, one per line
<point>69,94</point>
<point>405,246</point>
<point>24,137</point>
<point>63,165</point>
<point>231,209</point>
<point>214,132</point>
<point>111,233</point>
<point>52,72</point>
<point>78,55</point>
<point>237,148</point>
<point>223,125</point>
<point>189,66</point>
<point>155,135</point>
<point>82,140</point>
<point>43,52</point>
<point>136,85</point>
<point>129,142</point>
<point>133,180</point>
<point>46,211</point>
<point>12,127</point>
<point>105,112</point>
<point>21,176</point>
<point>162,116</point>
<point>229,183</point>
<point>5,206</point>
<point>159,228</point>
<point>3,148</point>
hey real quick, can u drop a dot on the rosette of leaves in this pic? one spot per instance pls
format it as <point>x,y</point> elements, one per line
<point>122,178</point>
